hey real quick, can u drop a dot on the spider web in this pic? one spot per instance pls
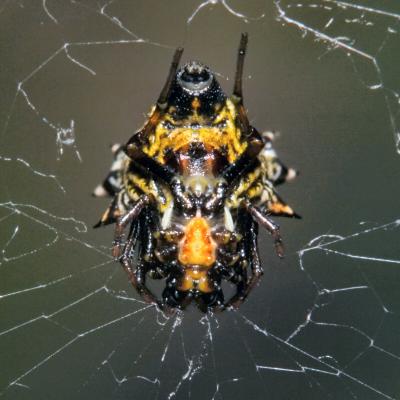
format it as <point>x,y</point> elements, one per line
<point>324,323</point>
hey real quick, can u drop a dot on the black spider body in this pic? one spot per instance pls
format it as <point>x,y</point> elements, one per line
<point>191,188</point>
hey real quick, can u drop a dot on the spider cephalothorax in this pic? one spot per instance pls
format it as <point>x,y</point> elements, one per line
<point>191,188</point>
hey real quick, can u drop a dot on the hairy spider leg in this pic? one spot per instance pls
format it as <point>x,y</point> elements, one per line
<point>142,228</point>
<point>136,275</point>
<point>163,172</point>
<point>251,253</point>
<point>123,222</point>
<point>147,163</point>
<point>269,225</point>
<point>232,172</point>
<point>245,161</point>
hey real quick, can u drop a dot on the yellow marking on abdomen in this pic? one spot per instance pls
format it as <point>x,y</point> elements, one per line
<point>212,135</point>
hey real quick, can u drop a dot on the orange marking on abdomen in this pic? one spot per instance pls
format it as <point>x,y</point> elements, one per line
<point>197,246</point>
<point>195,278</point>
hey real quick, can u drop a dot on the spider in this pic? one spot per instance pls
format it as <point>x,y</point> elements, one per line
<point>190,189</point>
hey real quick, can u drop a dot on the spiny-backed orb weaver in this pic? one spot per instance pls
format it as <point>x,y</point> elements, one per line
<point>192,185</point>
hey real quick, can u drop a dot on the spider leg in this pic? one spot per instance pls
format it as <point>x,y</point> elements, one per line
<point>123,222</point>
<point>232,173</point>
<point>217,197</point>
<point>137,275</point>
<point>251,253</point>
<point>269,225</point>
<point>245,161</point>
<point>165,253</point>
<point>147,163</point>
